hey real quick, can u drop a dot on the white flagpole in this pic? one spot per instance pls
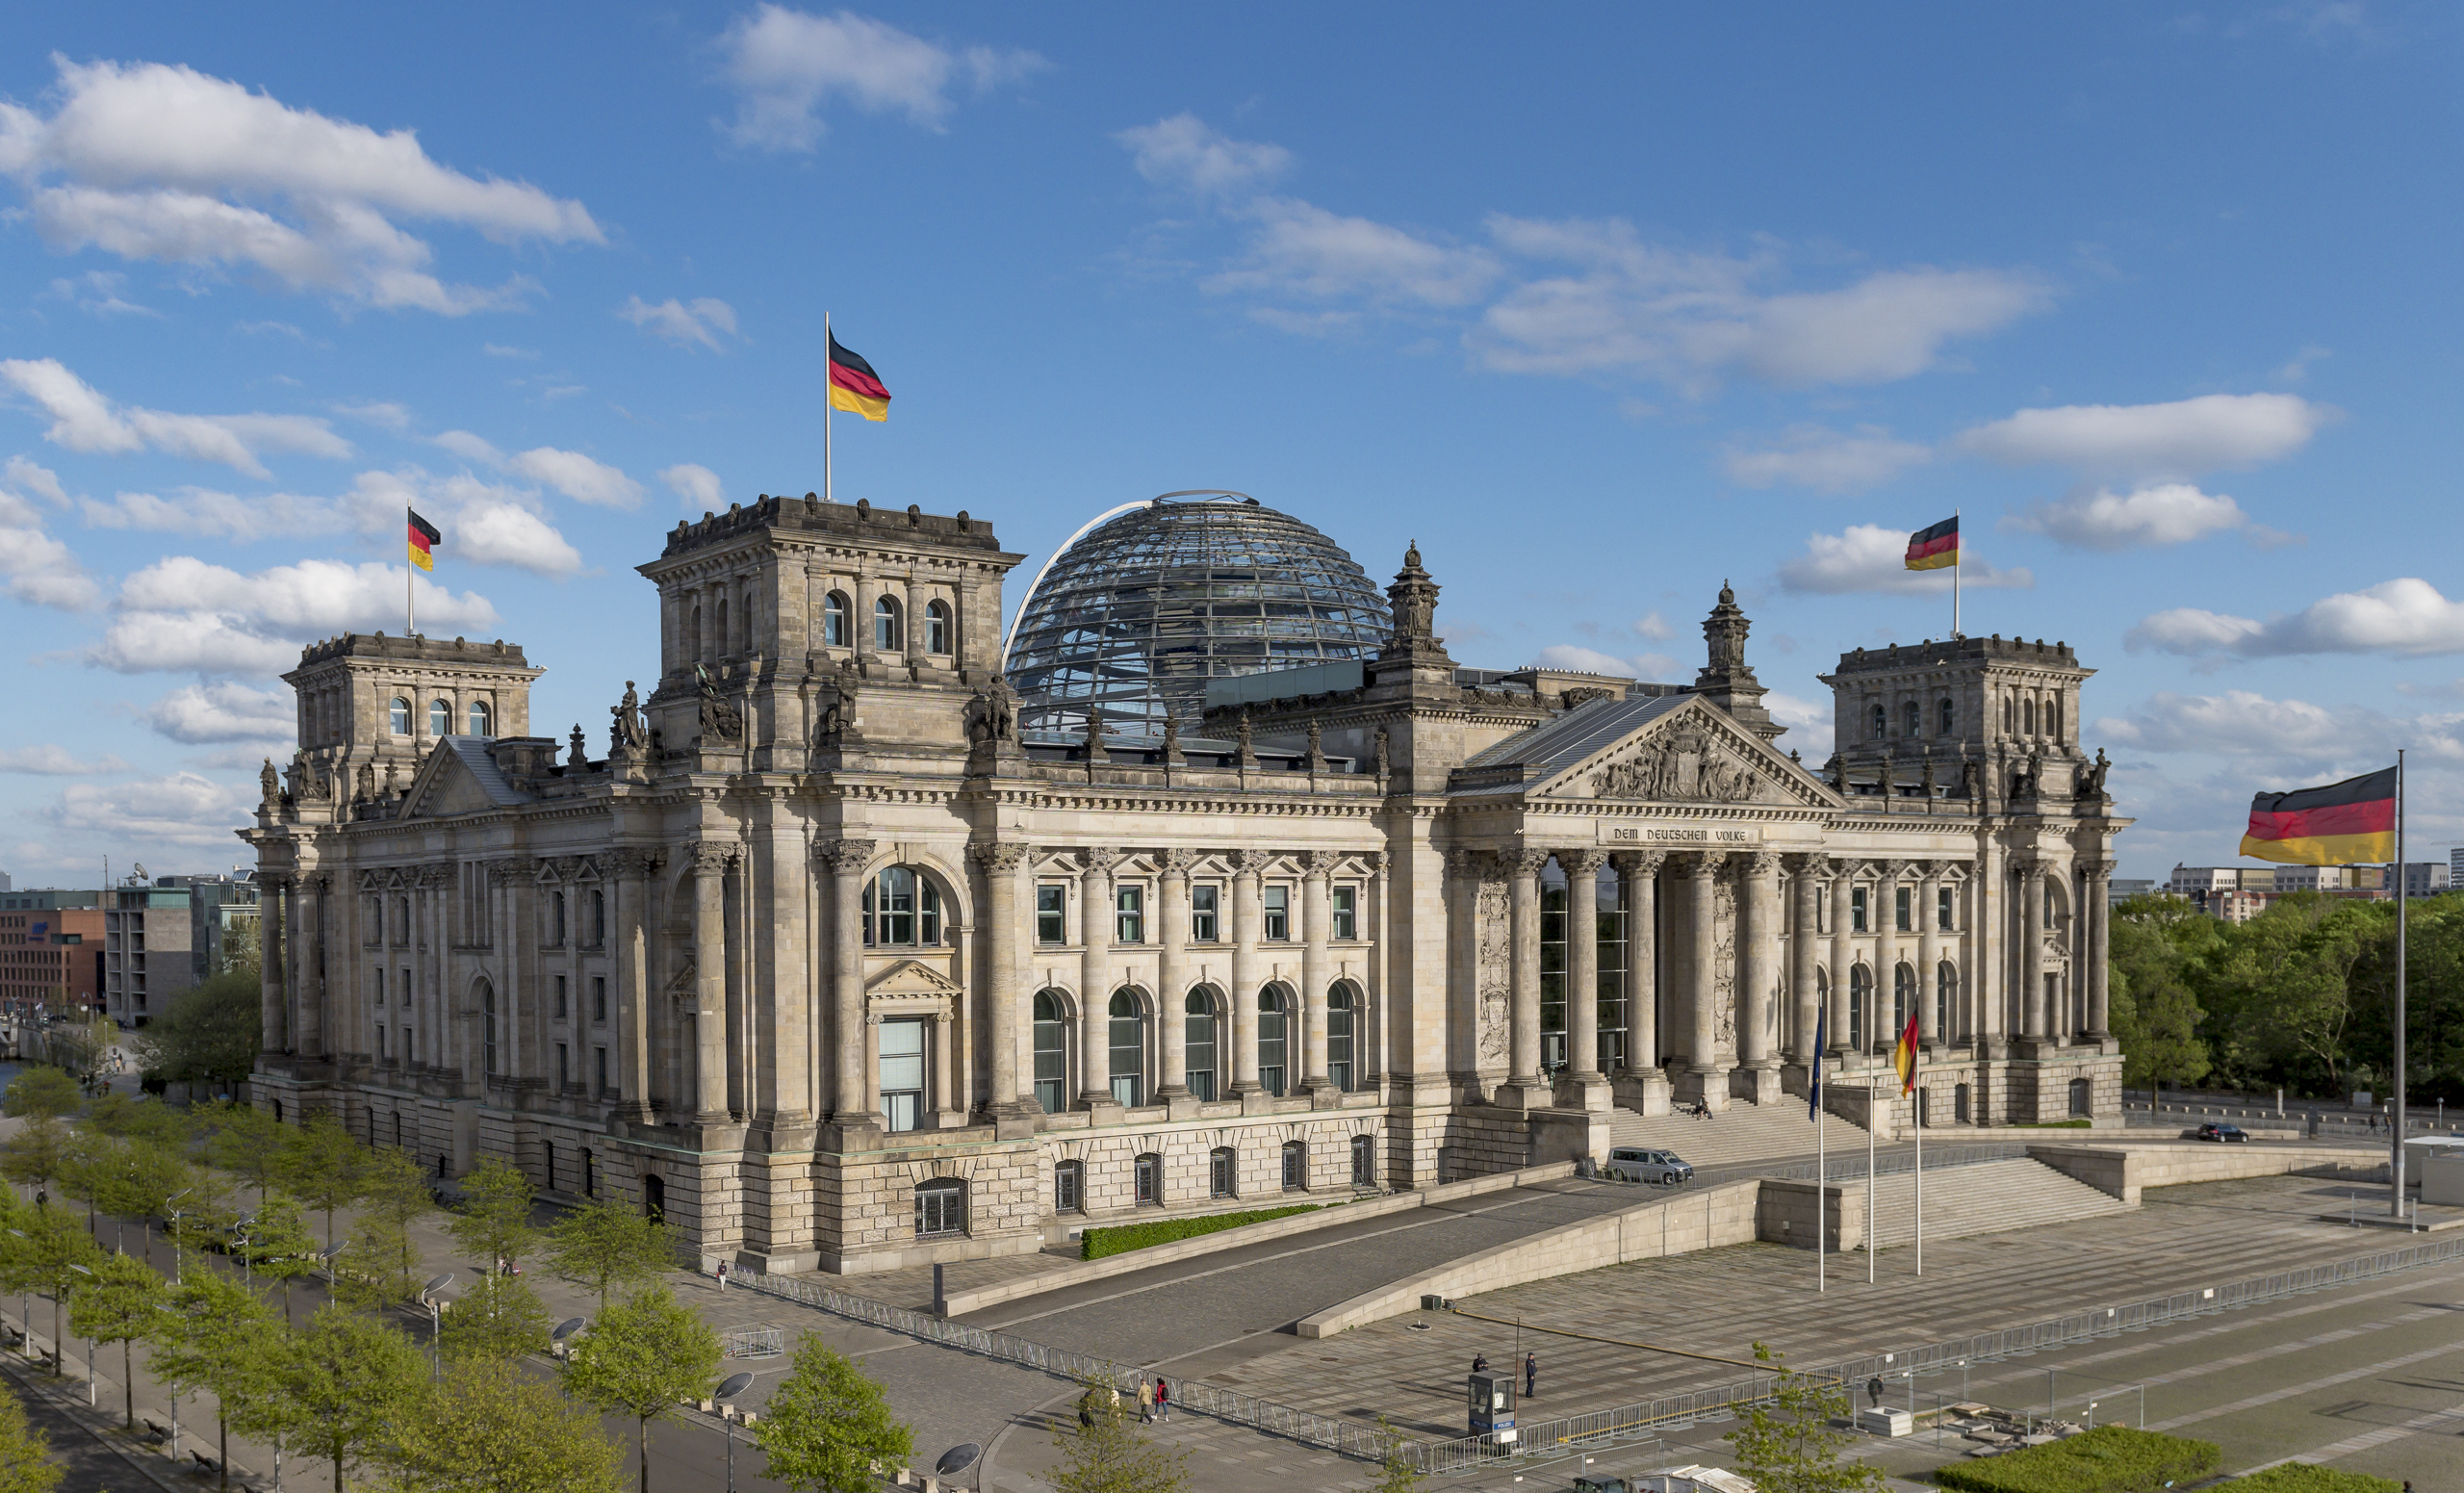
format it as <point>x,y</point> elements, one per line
<point>1871,1119</point>
<point>410,608</point>
<point>2396,1162</point>
<point>827,365</point>
<point>1916,1117</point>
<point>1821,1190</point>
<point>1959,558</point>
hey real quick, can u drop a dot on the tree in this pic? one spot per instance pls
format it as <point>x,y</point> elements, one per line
<point>645,1355</point>
<point>150,1120</point>
<point>247,1143</point>
<point>350,1380</point>
<point>130,1179</point>
<point>499,1319</point>
<point>42,1092</point>
<point>40,1150</point>
<point>2154,1010</point>
<point>1400,1474</point>
<point>603,1244</point>
<point>209,1033</point>
<point>488,1427</point>
<point>323,1167</point>
<point>1787,1444</point>
<point>25,1452</point>
<point>208,1341</point>
<point>57,1251</point>
<point>381,1263</point>
<point>1106,1453</point>
<point>204,1217</point>
<point>279,1246</point>
<point>123,1300</point>
<point>493,1223</point>
<point>827,1424</point>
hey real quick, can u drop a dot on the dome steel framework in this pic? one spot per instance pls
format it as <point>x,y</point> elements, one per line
<point>1147,603</point>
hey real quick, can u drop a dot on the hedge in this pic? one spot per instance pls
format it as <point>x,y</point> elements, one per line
<point>2057,1124</point>
<point>2108,1459</point>
<point>2302,1477</point>
<point>1097,1243</point>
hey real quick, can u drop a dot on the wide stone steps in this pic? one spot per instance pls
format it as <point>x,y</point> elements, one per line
<point>1739,1134</point>
<point>1986,1199</point>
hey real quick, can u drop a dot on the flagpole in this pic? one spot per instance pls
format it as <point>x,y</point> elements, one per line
<point>1959,559</point>
<point>1870,1119</point>
<point>410,608</point>
<point>1916,1117</point>
<point>2395,1165</point>
<point>1821,1159</point>
<point>825,408</point>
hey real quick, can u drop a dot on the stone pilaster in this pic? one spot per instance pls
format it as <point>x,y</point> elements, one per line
<point>1583,1085</point>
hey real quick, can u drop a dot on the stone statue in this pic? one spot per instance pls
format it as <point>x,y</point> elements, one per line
<point>1317,757</point>
<point>1384,763</point>
<point>1928,779</point>
<point>625,735</point>
<point>1971,781</point>
<point>1413,599</point>
<point>2092,778</point>
<point>721,720</point>
<point>1243,753</point>
<point>1172,740</point>
<point>992,715</point>
<point>367,785</point>
<point>268,785</point>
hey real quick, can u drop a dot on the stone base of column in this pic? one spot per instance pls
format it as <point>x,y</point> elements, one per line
<point>1526,1094</point>
<point>1102,1108</point>
<point>1589,1092</point>
<point>855,1131</point>
<point>2036,1046</point>
<point>2106,1043</point>
<point>1010,1120</point>
<point>1757,1084</point>
<point>790,1262</point>
<point>1642,1090</point>
<point>1180,1106</point>
<point>792,1133</point>
<point>1710,1086</point>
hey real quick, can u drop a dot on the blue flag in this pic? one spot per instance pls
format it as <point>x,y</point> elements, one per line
<point>1813,1085</point>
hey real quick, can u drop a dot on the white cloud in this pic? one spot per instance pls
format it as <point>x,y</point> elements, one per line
<point>699,323</point>
<point>1185,151</point>
<point>784,64</point>
<point>34,567</point>
<point>152,162</point>
<point>1826,460</point>
<point>508,533</point>
<point>2298,369</point>
<point>84,419</point>
<point>98,293</point>
<point>56,761</point>
<point>2162,514</point>
<point>2236,723</point>
<point>500,350</point>
<point>2407,618</point>
<point>182,615</point>
<point>470,448</point>
<point>26,476</point>
<point>1591,660</point>
<point>185,808</point>
<point>1867,558</point>
<point>199,510</point>
<point>1653,624</point>
<point>224,710</point>
<point>1812,728</point>
<point>698,487</point>
<point>1301,250</point>
<point>2179,439</point>
<point>378,412</point>
<point>484,523</point>
<point>578,477</point>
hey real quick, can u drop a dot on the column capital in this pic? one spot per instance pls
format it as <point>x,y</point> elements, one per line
<point>1926,869</point>
<point>709,856</point>
<point>1097,861</point>
<point>1846,867</point>
<point>2096,870</point>
<point>1701,865</point>
<point>1318,864</point>
<point>1804,862</point>
<point>1524,861</point>
<point>1639,862</point>
<point>1760,862</point>
<point>633,861</point>
<point>513,870</point>
<point>1177,862</point>
<point>999,858</point>
<point>844,856</point>
<point>1583,863</point>
<point>1893,870</point>
<point>432,876</point>
<point>1248,864</point>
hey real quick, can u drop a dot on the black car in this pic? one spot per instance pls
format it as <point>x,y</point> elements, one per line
<point>2221,1133</point>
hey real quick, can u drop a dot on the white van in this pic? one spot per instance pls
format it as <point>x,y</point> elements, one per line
<point>1638,1164</point>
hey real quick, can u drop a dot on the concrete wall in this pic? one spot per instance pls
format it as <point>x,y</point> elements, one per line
<point>2125,1172</point>
<point>1786,1211</point>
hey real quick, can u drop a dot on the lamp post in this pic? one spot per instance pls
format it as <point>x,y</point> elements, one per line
<point>729,1388</point>
<point>435,1321</point>
<point>173,1214</point>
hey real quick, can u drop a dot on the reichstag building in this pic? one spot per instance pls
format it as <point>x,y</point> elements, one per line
<point>869,937</point>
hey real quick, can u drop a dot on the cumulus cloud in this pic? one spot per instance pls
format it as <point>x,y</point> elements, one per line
<point>697,486</point>
<point>84,419</point>
<point>1591,660</point>
<point>2162,514</point>
<point>200,510</point>
<point>57,762</point>
<point>27,477</point>
<point>785,65</point>
<point>2179,439</point>
<point>185,808</point>
<point>181,615</point>
<point>1653,624</point>
<point>1185,151</point>
<point>35,567</point>
<point>150,162</point>
<point>1812,729</point>
<point>98,293</point>
<point>224,710</point>
<point>1868,557</point>
<point>2407,618</point>
<point>1301,250</point>
<point>484,523</point>
<point>578,477</point>
<point>699,323</point>
<point>1827,461</point>
<point>2237,723</point>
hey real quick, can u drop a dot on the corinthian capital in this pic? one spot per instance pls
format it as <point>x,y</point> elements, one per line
<point>710,856</point>
<point>844,856</point>
<point>1001,857</point>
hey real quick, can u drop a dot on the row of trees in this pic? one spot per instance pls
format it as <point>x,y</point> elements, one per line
<point>2301,996</point>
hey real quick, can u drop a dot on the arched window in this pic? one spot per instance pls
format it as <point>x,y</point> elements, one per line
<point>2053,718</point>
<point>1198,1013</point>
<point>902,909</point>
<point>1222,1172</point>
<point>937,626</point>
<point>886,623</point>
<point>1881,723</point>
<point>1913,718</point>
<point>2010,717</point>
<point>2028,716</point>
<point>1950,717</point>
<point>482,720</point>
<point>1947,992</point>
<point>1069,1187</point>
<point>1342,1007</point>
<point>835,626</point>
<point>400,716</point>
<point>1903,999</point>
<point>598,917</point>
<point>1128,1049</point>
<point>488,1026</point>
<point>653,1197</point>
<point>1052,1054</point>
<point>724,638</point>
<point>1295,1166</point>
<point>1146,1180</point>
<point>1364,1161</point>
<point>439,718</point>
<point>1861,999</point>
<point>556,919</point>
<point>1275,1010</point>
<point>940,1208</point>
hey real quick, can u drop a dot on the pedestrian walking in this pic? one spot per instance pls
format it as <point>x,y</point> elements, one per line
<point>1874,1390</point>
<point>722,1277</point>
<point>1162,1400</point>
<point>1531,1376</point>
<point>1145,1403</point>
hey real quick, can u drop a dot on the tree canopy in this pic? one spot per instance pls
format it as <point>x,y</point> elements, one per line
<point>206,1034</point>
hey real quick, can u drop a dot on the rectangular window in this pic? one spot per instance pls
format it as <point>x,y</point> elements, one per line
<point>1822,908</point>
<point>1902,913</point>
<point>381,1054</point>
<point>380,986</point>
<point>1945,914</point>
<point>1346,916</point>
<point>902,1073</point>
<point>564,1068</point>
<point>1203,902</point>
<point>1149,1177</point>
<point>411,1048</point>
<point>1278,900</point>
<point>1130,926</point>
<point>1857,910</point>
<point>600,1056</point>
<point>560,998</point>
<point>1052,922</point>
<point>598,997</point>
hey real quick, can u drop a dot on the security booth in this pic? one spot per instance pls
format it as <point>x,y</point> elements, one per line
<point>1493,1405</point>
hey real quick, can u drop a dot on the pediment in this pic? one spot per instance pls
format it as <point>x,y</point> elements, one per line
<point>445,787</point>
<point>1693,755</point>
<point>911,978</point>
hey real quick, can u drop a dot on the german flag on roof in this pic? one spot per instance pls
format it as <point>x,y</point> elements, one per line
<point>854,386</point>
<point>1934,547</point>
<point>2347,823</point>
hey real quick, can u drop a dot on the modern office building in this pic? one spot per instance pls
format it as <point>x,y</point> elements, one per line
<point>146,933</point>
<point>51,952</point>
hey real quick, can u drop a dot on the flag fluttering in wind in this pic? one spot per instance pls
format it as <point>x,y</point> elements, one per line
<point>854,386</point>
<point>1903,1057</point>
<point>1934,547</point>
<point>1814,1081</point>
<point>424,536</point>
<point>2341,824</point>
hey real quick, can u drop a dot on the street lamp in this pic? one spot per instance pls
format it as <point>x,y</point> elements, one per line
<point>89,1344</point>
<point>435,1320</point>
<point>729,1388</point>
<point>174,1216</point>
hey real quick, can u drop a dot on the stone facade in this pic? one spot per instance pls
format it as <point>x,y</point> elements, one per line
<point>827,964</point>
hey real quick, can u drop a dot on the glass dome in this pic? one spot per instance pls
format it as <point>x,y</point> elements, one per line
<point>1148,603</point>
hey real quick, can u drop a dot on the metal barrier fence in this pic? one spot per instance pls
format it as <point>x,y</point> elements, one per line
<point>754,1342</point>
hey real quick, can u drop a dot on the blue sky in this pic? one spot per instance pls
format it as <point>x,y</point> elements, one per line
<point>1602,308</point>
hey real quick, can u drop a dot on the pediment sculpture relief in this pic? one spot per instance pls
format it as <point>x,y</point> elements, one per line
<point>1687,765</point>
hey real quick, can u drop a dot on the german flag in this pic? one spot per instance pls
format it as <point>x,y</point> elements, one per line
<point>423,538</point>
<point>854,386</point>
<point>2347,823</point>
<point>1903,1057</point>
<point>1933,549</point>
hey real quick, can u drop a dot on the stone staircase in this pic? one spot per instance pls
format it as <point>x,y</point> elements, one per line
<point>1741,1133</point>
<point>1989,1197</point>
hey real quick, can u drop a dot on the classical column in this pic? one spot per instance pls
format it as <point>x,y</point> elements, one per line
<point>628,963</point>
<point>1463,966</point>
<point>1008,1098</point>
<point>850,1038</point>
<point>1639,870</point>
<point>710,859</point>
<point>1524,874</point>
<point>1805,878</point>
<point>1095,977</point>
<point>1172,973</point>
<point>1582,961</point>
<point>310,953</point>
<point>1698,875</point>
<point>1989,962</point>
<point>913,636</point>
<point>1245,916</point>
<point>1929,951</point>
<point>2099,910</point>
<point>1759,979</point>
<point>1885,1023</point>
<point>1843,952</point>
<point>270,962</point>
<point>1316,913</point>
<point>2030,962</point>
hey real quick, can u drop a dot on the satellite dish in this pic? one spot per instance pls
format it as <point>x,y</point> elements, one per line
<point>958,1458</point>
<point>438,1284</point>
<point>331,1250</point>
<point>567,1329</point>
<point>734,1385</point>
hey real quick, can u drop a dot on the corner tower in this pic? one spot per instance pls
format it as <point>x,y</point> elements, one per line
<point>2007,707</point>
<point>378,701</point>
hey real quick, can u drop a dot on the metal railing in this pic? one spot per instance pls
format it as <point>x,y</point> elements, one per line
<point>761,1341</point>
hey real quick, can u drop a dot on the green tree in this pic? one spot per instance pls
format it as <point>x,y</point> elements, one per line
<point>493,1222</point>
<point>1398,1473</point>
<point>130,1179</point>
<point>40,1150</point>
<point>827,1424</point>
<point>1787,1444</point>
<point>57,1250</point>
<point>204,1217</point>
<point>247,1143</point>
<point>123,1300</point>
<point>210,1341</point>
<point>642,1357</point>
<point>501,1318</point>
<point>603,1244</point>
<point>42,1092</point>
<point>209,1033</point>
<point>148,1120</point>
<point>488,1427</point>
<point>381,1263</point>
<point>325,1168</point>
<point>1106,1453</point>
<point>25,1452</point>
<point>279,1246</point>
<point>350,1380</point>
<point>2154,1010</point>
